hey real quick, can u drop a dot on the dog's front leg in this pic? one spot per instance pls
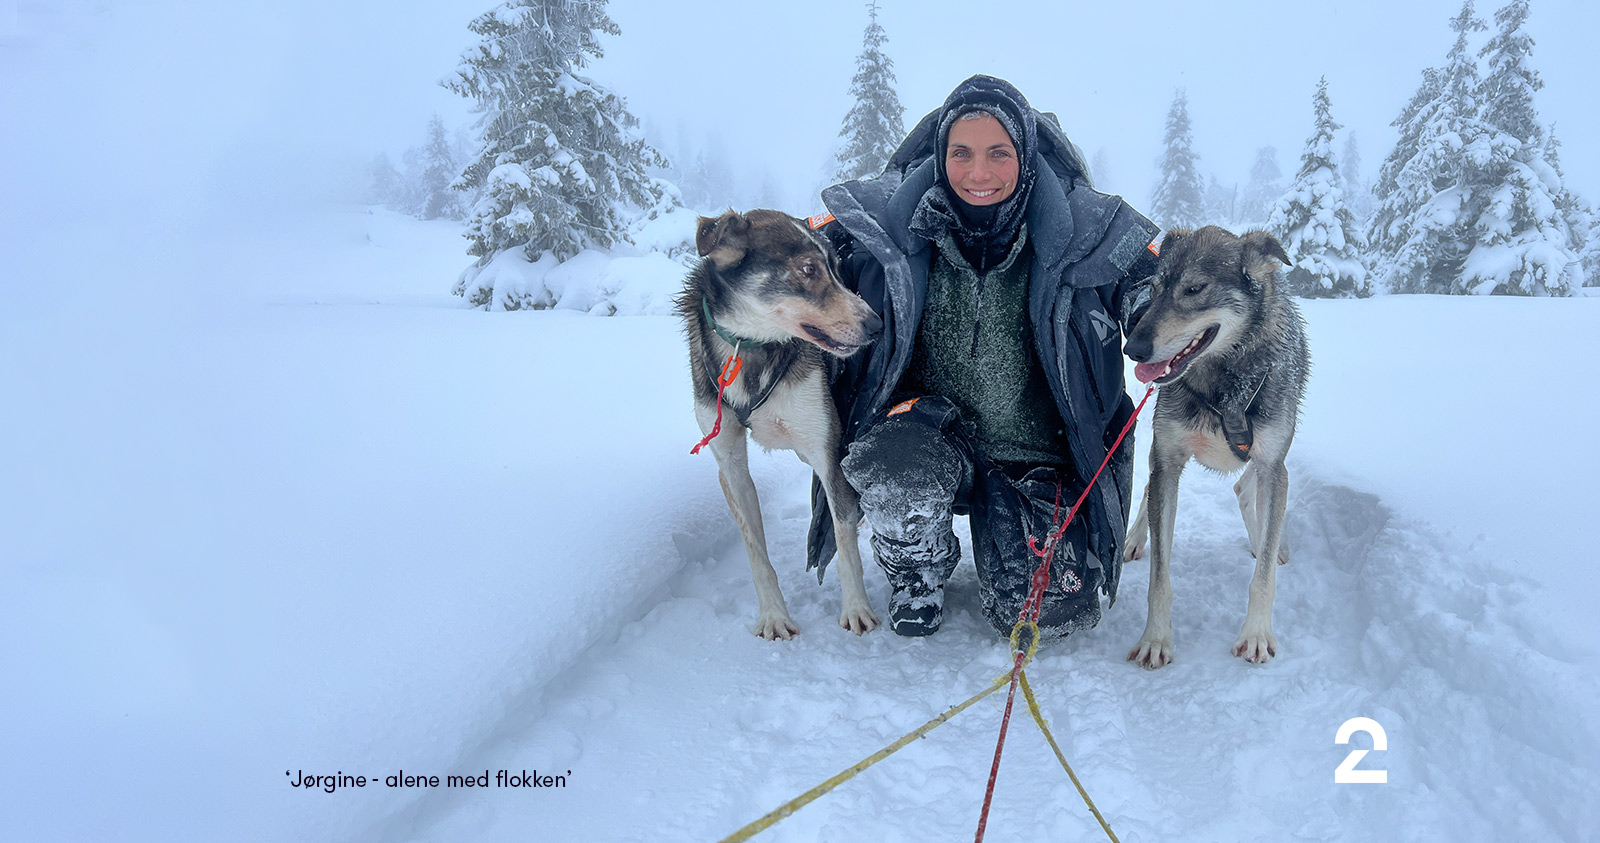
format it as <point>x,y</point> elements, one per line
<point>1155,646</point>
<point>855,613</point>
<point>733,470</point>
<point>1256,643</point>
<point>818,447</point>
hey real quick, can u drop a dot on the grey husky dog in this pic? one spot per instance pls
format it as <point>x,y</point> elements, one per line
<point>1229,347</point>
<point>768,292</point>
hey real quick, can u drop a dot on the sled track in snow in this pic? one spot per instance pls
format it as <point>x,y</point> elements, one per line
<point>684,726</point>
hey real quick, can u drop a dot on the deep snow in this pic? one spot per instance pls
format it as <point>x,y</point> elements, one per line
<point>301,511</point>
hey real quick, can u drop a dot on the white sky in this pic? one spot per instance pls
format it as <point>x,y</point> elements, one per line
<point>218,102</point>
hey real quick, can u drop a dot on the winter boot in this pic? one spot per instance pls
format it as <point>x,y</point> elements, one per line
<point>916,574</point>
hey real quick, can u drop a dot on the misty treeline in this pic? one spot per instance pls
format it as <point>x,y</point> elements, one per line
<point>423,185</point>
<point>1471,200</point>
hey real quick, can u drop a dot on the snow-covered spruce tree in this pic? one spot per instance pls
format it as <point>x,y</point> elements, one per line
<point>1221,201</point>
<point>876,123</point>
<point>1263,189</point>
<point>708,187</point>
<point>1423,227</point>
<point>409,199</point>
<point>1179,200</point>
<point>1522,239</point>
<point>1589,256</point>
<point>1357,195</point>
<point>439,171</point>
<point>1386,229</point>
<point>1313,223</point>
<point>561,160</point>
<point>1582,219</point>
<point>383,181</point>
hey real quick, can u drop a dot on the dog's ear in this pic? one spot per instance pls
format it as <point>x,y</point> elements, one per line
<point>1258,251</point>
<point>1172,237</point>
<point>1259,245</point>
<point>723,240</point>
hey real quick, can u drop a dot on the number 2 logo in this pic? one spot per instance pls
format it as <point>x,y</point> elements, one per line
<point>1346,772</point>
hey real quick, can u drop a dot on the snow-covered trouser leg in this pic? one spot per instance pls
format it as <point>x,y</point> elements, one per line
<point>1005,513</point>
<point>909,474</point>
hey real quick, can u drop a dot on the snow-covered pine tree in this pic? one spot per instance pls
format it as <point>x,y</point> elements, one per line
<point>875,125</point>
<point>1522,240</point>
<point>1313,223</point>
<point>1589,256</point>
<point>1179,200</point>
<point>409,199</point>
<point>1423,225</point>
<point>1221,201</point>
<point>462,147</point>
<point>711,189</point>
<point>1385,229</point>
<point>383,181</point>
<point>1357,195</point>
<point>561,160</point>
<point>1583,226</point>
<point>1263,189</point>
<point>439,171</point>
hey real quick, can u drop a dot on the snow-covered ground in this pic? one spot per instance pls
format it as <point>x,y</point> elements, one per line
<point>277,503</point>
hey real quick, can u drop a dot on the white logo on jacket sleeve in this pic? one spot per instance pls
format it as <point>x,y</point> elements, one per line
<point>1103,325</point>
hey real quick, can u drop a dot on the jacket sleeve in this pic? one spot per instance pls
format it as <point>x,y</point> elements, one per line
<point>851,257</point>
<point>1132,297</point>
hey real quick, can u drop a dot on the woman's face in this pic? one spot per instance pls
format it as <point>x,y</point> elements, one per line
<point>981,161</point>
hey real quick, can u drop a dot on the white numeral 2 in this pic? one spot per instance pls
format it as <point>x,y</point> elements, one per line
<point>1346,773</point>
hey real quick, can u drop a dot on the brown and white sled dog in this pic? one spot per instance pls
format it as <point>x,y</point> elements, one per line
<point>1229,347</point>
<point>769,287</point>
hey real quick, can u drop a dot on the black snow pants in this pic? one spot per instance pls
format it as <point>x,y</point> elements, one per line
<point>916,467</point>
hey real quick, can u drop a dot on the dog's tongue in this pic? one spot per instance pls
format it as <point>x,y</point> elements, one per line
<point>1147,372</point>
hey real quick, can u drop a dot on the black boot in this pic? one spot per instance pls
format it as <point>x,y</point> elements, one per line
<point>916,574</point>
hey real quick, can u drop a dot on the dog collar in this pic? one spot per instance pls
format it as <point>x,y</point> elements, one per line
<point>738,342</point>
<point>728,336</point>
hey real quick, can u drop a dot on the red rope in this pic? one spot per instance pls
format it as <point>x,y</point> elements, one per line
<point>730,370</point>
<point>1034,603</point>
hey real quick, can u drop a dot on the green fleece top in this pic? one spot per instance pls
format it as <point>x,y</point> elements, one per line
<point>975,347</point>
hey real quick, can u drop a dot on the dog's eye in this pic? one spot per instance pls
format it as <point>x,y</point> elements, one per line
<point>808,269</point>
<point>1195,289</point>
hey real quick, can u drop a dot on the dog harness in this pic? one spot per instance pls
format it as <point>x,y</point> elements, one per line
<point>1236,425</point>
<point>741,413</point>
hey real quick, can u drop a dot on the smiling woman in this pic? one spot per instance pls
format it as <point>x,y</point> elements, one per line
<point>994,397</point>
<point>980,160</point>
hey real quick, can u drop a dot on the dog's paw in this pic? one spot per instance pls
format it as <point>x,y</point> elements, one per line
<point>1256,644</point>
<point>775,626</point>
<point>1133,548</point>
<point>859,619</point>
<point>1151,652</point>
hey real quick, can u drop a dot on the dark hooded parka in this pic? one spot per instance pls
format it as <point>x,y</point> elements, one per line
<point>1087,250</point>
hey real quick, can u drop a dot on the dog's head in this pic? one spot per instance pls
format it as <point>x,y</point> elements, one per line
<point>777,278</point>
<point>1205,290</point>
